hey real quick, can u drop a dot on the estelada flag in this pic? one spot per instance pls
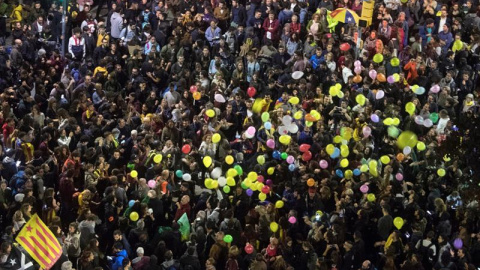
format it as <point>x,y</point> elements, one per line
<point>39,242</point>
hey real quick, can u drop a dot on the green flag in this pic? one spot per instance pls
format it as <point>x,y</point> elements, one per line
<point>184,226</point>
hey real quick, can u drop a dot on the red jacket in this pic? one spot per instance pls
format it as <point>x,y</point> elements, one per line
<point>184,208</point>
<point>272,28</point>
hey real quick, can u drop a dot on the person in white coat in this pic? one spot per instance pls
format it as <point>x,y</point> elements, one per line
<point>116,24</point>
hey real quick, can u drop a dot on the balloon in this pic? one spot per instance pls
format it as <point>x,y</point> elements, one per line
<point>310,182</point>
<point>419,120</point>
<point>261,159</point>
<point>210,113</point>
<point>329,149</point>
<point>222,181</point>
<point>186,149</point>
<point>231,181</point>
<point>304,147</point>
<point>132,202</point>
<point>400,156</point>
<point>336,153</point>
<point>267,125</point>
<point>398,222</point>
<point>197,95</point>
<point>344,152</point>
<point>339,173</point>
<point>357,63</point>
<point>344,163</point>
<point>265,116</point>
<point>279,204</point>
<point>298,115</point>
<point>457,45</point>
<point>207,161</point>
<point>395,62</point>
<point>134,216</point>
<point>193,89</point>
<point>219,98</point>
<point>356,172</point>
<point>216,173</point>
<point>157,158</point>
<point>260,178</point>
<point>307,156</point>
<point>251,91</point>
<point>374,118</point>
<point>381,77</point>
<point>360,98</point>
<point>344,47</point>
<point>428,123</point>
<point>274,226</point>
<point>378,58</point>
<point>371,197</point>
<point>187,177</point>
<point>393,131</point>
<point>252,176</point>
<point>216,138</point>
<point>238,169</point>
<point>373,74</point>
<point>270,143</point>
<point>285,139</point>
<point>388,121</point>
<point>407,150</point>
<point>133,174</point>
<point>364,188</point>
<point>396,121</point>
<point>229,160</point>
<point>251,130</point>
<point>458,243</point>
<point>390,79</point>
<point>231,173</point>
<point>385,159</point>
<point>287,120</point>
<point>348,174</point>
<point>323,164</point>
<point>292,220</point>
<point>226,189</point>
<point>396,77</point>
<point>380,94</point>
<point>372,165</point>
<point>357,79</point>
<point>249,248</point>
<point>152,184</point>
<point>179,173</point>
<point>407,138</point>
<point>357,70</point>
<point>420,91</point>
<point>294,100</point>
<point>249,192</point>
<point>366,130</point>
<point>434,117</point>
<point>441,172</point>
<point>435,89</point>
<point>399,176</point>
<point>262,197</point>
<point>228,238</point>
<point>276,155</point>
<point>284,156</point>
<point>410,108</point>
<point>291,167</point>
<point>364,168</point>
<point>421,146</point>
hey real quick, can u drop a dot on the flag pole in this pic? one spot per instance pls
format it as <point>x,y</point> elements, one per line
<point>64,26</point>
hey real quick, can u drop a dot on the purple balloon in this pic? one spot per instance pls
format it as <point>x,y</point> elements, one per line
<point>269,182</point>
<point>374,118</point>
<point>357,70</point>
<point>373,74</point>
<point>271,143</point>
<point>399,177</point>
<point>290,159</point>
<point>380,94</point>
<point>390,79</point>
<point>323,164</point>
<point>458,243</point>
<point>358,63</point>
<point>435,89</point>
<point>249,192</point>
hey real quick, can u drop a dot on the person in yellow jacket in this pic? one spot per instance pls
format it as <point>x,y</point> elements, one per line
<point>16,15</point>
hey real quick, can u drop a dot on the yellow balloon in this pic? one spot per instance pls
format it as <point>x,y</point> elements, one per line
<point>229,160</point>
<point>298,115</point>
<point>214,184</point>
<point>364,168</point>
<point>252,176</point>
<point>315,114</point>
<point>385,159</point>
<point>231,181</point>
<point>134,216</point>
<point>344,150</point>
<point>337,139</point>
<point>410,108</point>
<point>308,123</point>
<point>294,100</point>
<point>133,173</point>
<point>388,121</point>
<point>216,138</point>
<point>421,146</point>
<point>157,158</point>
<point>232,172</point>
<point>398,222</point>
<point>261,159</point>
<point>348,174</point>
<point>279,204</point>
<point>210,113</point>
<point>333,91</point>
<point>441,172</point>
<point>371,197</point>
<point>360,98</point>
<point>396,121</point>
<point>262,196</point>
<point>446,158</point>
<point>270,170</point>
<point>248,182</point>
<point>259,185</point>
<point>207,161</point>
<point>274,226</point>
<point>208,183</point>
<point>407,138</point>
<point>340,94</point>
<point>344,163</point>
<point>285,139</point>
<point>330,148</point>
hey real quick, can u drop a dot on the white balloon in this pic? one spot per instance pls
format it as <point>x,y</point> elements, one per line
<point>282,130</point>
<point>219,98</point>
<point>287,120</point>
<point>380,94</point>
<point>428,123</point>
<point>187,177</point>
<point>407,150</point>
<point>293,128</point>
<point>248,135</point>
<point>222,181</point>
<point>216,173</point>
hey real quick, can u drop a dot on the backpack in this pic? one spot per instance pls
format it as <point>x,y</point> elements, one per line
<point>17,182</point>
<point>427,253</point>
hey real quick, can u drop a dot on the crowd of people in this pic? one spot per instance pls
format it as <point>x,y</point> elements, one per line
<point>228,134</point>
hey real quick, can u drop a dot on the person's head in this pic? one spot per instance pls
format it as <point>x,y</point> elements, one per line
<point>117,247</point>
<point>73,228</point>
<point>77,32</point>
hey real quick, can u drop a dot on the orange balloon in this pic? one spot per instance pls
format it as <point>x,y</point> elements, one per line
<point>400,156</point>
<point>357,79</point>
<point>310,182</point>
<point>381,77</point>
<point>197,95</point>
<point>310,118</point>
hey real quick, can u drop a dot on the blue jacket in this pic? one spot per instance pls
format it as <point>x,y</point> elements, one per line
<point>316,61</point>
<point>239,15</point>
<point>118,260</point>
<point>213,36</point>
<point>448,38</point>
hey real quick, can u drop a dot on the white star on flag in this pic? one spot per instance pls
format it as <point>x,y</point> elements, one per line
<point>349,19</point>
<point>13,262</point>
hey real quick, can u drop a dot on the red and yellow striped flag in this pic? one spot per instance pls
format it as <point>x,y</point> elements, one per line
<point>40,243</point>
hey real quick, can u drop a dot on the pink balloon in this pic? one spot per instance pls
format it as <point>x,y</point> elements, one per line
<point>323,164</point>
<point>249,249</point>
<point>292,220</point>
<point>390,79</point>
<point>366,131</point>
<point>152,184</point>
<point>271,143</point>
<point>373,74</point>
<point>290,159</point>
<point>251,130</point>
<point>435,89</point>
<point>399,176</point>
<point>358,63</point>
<point>357,70</point>
<point>260,178</point>
<point>364,189</point>
<point>380,94</point>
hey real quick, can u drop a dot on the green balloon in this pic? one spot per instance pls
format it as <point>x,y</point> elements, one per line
<point>244,186</point>
<point>434,117</point>
<point>239,169</point>
<point>265,116</point>
<point>179,173</point>
<point>284,155</point>
<point>226,189</point>
<point>393,131</point>
<point>228,238</point>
